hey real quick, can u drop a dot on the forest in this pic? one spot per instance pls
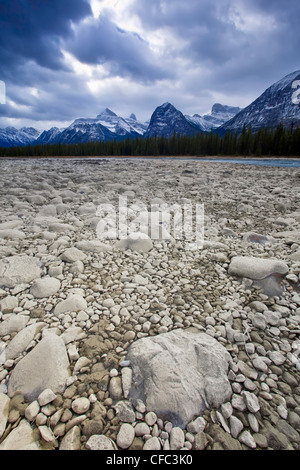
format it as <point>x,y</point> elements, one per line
<point>264,142</point>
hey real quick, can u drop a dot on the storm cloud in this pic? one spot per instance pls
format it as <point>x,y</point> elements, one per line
<point>61,60</point>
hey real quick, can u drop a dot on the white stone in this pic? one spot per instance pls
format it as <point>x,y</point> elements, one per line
<point>74,303</point>
<point>32,411</point>
<point>125,436</point>
<point>152,444</point>
<point>137,241</point>
<point>22,339</point>
<point>22,437</point>
<point>236,426</point>
<point>14,323</point>
<point>197,425</point>
<point>81,405</point>
<point>247,439</point>
<point>71,440</point>
<point>174,371</point>
<point>151,418</point>
<point>256,268</point>
<point>16,270</point>
<point>45,287</point>
<point>73,254</point>
<point>176,438</point>
<point>141,429</point>
<point>46,397</point>
<point>46,366</point>
<point>251,401</point>
<point>8,304</point>
<point>100,442</point>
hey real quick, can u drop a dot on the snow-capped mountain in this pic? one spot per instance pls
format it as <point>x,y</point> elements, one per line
<point>119,125</point>
<point>275,106</point>
<point>11,137</point>
<point>167,120</point>
<point>106,126</point>
<point>50,137</point>
<point>216,118</point>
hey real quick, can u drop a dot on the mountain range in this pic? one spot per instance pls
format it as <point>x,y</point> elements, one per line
<point>275,106</point>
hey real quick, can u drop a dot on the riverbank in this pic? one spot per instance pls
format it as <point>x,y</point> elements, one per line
<point>108,309</point>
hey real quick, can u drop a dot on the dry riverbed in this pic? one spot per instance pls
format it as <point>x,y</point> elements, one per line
<point>146,343</point>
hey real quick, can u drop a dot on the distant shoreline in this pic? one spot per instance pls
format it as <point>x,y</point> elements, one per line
<point>155,157</point>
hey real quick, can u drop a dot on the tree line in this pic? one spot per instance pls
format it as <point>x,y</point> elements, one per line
<point>264,142</point>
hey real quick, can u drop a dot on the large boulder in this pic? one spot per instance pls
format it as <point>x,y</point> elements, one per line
<point>136,241</point>
<point>256,268</point>
<point>16,270</point>
<point>179,374</point>
<point>46,366</point>
<point>74,303</point>
<point>45,287</point>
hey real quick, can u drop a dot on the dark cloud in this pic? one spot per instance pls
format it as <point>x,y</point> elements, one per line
<point>124,53</point>
<point>196,53</point>
<point>33,30</point>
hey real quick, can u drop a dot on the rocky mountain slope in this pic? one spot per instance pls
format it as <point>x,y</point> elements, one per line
<point>275,106</point>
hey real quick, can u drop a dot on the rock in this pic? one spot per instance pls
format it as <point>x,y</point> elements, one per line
<point>92,246</point>
<point>247,439</point>
<point>236,426</point>
<point>73,254</point>
<point>196,426</point>
<point>71,440</point>
<point>8,304</point>
<point>150,418</point>
<point>254,237</point>
<point>47,435</point>
<point>22,339</point>
<point>137,241</point>
<point>23,437</point>
<point>45,287</point>
<point>46,366</point>
<point>32,411</point>
<point>256,268</point>
<point>115,388</point>
<point>4,410</point>
<point>141,429</point>
<point>12,234</point>
<point>81,405</point>
<point>125,412</point>
<point>14,323</point>
<point>251,401</point>
<point>174,371</point>
<point>16,270</point>
<point>176,439</point>
<point>74,303</point>
<point>46,397</point>
<point>152,444</point>
<point>125,436</point>
<point>100,442</point>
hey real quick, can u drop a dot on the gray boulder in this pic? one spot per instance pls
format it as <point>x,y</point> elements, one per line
<point>45,287</point>
<point>16,270</point>
<point>179,374</point>
<point>46,366</point>
<point>256,268</point>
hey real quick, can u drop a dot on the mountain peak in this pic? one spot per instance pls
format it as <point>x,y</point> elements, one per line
<point>273,107</point>
<point>106,112</point>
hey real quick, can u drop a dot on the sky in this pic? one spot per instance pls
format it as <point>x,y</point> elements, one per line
<point>67,59</point>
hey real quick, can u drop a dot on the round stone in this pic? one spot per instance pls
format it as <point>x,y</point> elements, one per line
<point>81,405</point>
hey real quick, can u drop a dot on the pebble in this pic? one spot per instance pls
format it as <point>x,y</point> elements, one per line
<point>125,436</point>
